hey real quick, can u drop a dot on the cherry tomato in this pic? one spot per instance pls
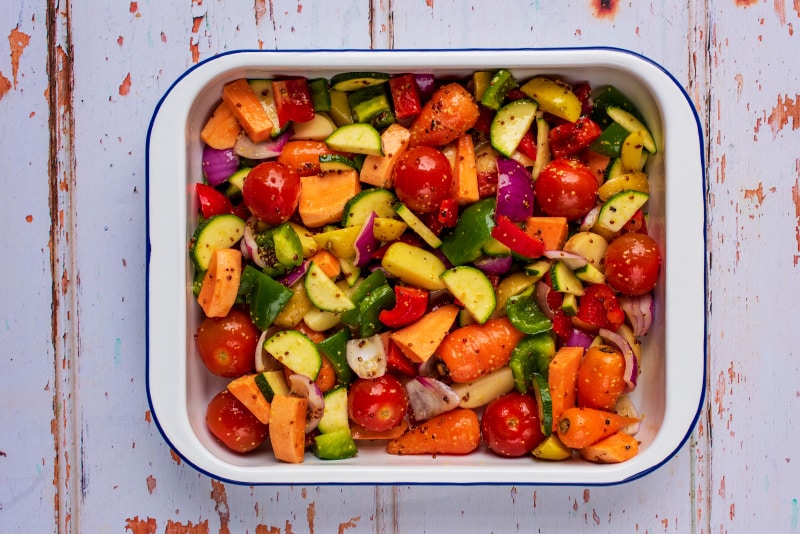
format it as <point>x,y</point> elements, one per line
<point>271,192</point>
<point>566,188</point>
<point>601,378</point>
<point>510,425</point>
<point>632,264</point>
<point>226,345</point>
<point>212,202</point>
<point>423,178</point>
<point>233,424</point>
<point>377,404</point>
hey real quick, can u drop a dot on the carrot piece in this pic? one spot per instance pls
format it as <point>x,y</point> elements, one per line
<point>455,432</point>
<point>221,129</point>
<point>326,378</point>
<point>562,377</point>
<point>475,350</point>
<point>323,197</point>
<point>247,109</point>
<point>449,113</point>
<point>465,175</point>
<point>313,335</point>
<point>247,391</point>
<point>328,263</point>
<point>597,163</point>
<point>420,339</point>
<point>361,433</point>
<point>287,432</point>
<point>221,282</point>
<point>616,448</point>
<point>601,377</point>
<point>303,156</point>
<point>551,230</point>
<point>581,427</point>
<point>377,170</point>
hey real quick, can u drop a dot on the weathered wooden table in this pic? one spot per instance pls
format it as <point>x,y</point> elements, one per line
<point>78,83</point>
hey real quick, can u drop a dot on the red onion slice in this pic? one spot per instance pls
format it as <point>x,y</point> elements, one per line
<point>494,264</point>
<point>365,243</point>
<point>295,274</point>
<point>367,357</point>
<point>249,246</point>
<point>631,374</point>
<point>219,165</point>
<point>429,397</point>
<point>425,84</point>
<point>514,190</point>
<point>542,290</point>
<point>579,338</point>
<point>570,259</point>
<point>302,386</point>
<point>639,311</point>
<point>264,361</point>
<point>246,148</point>
<point>590,218</point>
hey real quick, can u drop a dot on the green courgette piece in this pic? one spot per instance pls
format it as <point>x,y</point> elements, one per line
<point>350,81</point>
<point>217,232</point>
<point>296,351</point>
<point>473,289</point>
<point>367,102</point>
<point>272,383</point>
<point>619,208</point>
<point>564,280</point>
<point>335,414</point>
<point>544,402</point>
<point>606,96</point>
<point>324,293</point>
<point>340,110</point>
<point>419,227</point>
<point>376,199</point>
<point>337,445</point>
<point>499,85</point>
<point>359,138</point>
<point>320,94</point>
<point>510,124</point>
<point>336,162</point>
<point>632,124</point>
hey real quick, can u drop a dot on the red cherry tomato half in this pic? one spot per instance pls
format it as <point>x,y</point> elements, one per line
<point>271,192</point>
<point>423,178</point>
<point>233,424</point>
<point>377,404</point>
<point>510,425</point>
<point>632,264</point>
<point>566,188</point>
<point>226,345</point>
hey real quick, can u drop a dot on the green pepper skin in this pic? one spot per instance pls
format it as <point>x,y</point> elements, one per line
<point>334,347</point>
<point>369,309</point>
<point>265,296</point>
<point>531,355</point>
<point>473,229</point>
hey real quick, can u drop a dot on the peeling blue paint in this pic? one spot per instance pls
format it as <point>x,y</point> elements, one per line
<point>117,351</point>
<point>794,515</point>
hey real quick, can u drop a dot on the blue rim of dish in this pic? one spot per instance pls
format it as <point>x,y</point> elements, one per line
<point>700,136</point>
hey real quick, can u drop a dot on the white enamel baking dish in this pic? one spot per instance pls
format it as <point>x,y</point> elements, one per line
<point>671,388</point>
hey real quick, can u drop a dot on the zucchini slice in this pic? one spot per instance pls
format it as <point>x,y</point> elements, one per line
<point>358,208</point>
<point>510,124</point>
<point>619,208</point>
<point>296,351</point>
<point>359,138</point>
<point>324,293</point>
<point>219,231</point>
<point>416,224</point>
<point>350,81</point>
<point>564,280</point>
<point>628,121</point>
<point>473,289</point>
<point>544,402</point>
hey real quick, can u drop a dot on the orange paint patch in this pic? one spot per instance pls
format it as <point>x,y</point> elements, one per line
<point>125,86</point>
<point>151,484</point>
<point>429,3</point>
<point>17,40</point>
<point>175,457</point>
<point>353,523</point>
<point>174,527</point>
<point>757,194</point>
<point>263,529</point>
<point>221,498</point>
<point>796,200</point>
<point>746,3</point>
<point>786,108</point>
<point>148,417</point>
<point>120,40</point>
<point>311,514</point>
<point>29,218</point>
<point>299,8</point>
<point>134,7</point>
<point>5,85</point>
<point>605,9</point>
<point>140,526</point>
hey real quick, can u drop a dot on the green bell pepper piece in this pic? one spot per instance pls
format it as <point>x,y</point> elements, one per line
<point>531,355</point>
<point>473,229</point>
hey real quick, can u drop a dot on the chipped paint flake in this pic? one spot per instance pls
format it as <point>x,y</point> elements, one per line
<point>125,86</point>
<point>5,85</point>
<point>220,497</point>
<point>17,40</point>
<point>141,526</point>
<point>757,194</point>
<point>353,523</point>
<point>605,9</point>
<point>174,527</point>
<point>786,108</point>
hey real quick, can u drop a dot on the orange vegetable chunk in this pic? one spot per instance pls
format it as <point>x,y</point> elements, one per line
<point>465,172</point>
<point>616,448</point>
<point>420,339</point>
<point>247,391</point>
<point>287,428</point>
<point>455,432</point>
<point>563,379</point>
<point>221,282</point>
<point>247,109</point>
<point>551,230</point>
<point>377,170</point>
<point>221,129</point>
<point>581,427</point>
<point>323,196</point>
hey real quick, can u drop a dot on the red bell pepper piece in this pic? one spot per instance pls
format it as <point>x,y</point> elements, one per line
<point>584,93</point>
<point>572,137</point>
<point>636,224</point>
<point>293,100</point>
<point>410,304</point>
<point>484,122</point>
<point>516,239</point>
<point>398,362</point>
<point>562,325</point>
<point>599,307</point>
<point>405,96</point>
<point>212,202</point>
<point>448,212</point>
<point>527,145</point>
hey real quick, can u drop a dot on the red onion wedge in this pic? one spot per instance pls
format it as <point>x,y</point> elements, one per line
<point>626,407</point>
<point>219,165</point>
<point>639,311</point>
<point>366,243</point>
<point>425,84</point>
<point>570,259</point>
<point>631,374</point>
<point>264,361</point>
<point>246,148</point>
<point>302,386</point>
<point>295,274</point>
<point>542,291</point>
<point>367,357</point>
<point>248,243</point>
<point>579,338</point>
<point>428,397</point>
<point>514,190</point>
<point>590,218</point>
<point>494,264</point>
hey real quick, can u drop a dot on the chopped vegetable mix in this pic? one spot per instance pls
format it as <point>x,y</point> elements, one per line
<point>436,267</point>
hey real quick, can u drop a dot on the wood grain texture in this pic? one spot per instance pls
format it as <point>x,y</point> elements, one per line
<point>78,84</point>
